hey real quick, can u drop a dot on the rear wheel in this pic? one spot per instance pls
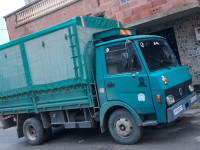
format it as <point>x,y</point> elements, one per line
<point>33,131</point>
<point>124,128</point>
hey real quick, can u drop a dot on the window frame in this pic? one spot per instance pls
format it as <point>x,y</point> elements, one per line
<point>131,71</point>
<point>164,67</point>
<point>125,2</point>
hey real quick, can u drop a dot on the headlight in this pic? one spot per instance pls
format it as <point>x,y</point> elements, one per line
<point>191,88</point>
<point>170,100</point>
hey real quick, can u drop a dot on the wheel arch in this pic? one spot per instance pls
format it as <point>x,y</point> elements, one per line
<point>110,107</point>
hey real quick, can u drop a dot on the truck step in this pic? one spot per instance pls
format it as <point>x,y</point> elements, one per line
<point>84,124</point>
<point>150,123</point>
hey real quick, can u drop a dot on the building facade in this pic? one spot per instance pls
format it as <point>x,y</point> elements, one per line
<point>177,20</point>
<point>29,1</point>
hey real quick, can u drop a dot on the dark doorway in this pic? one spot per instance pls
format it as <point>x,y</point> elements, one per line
<point>171,39</point>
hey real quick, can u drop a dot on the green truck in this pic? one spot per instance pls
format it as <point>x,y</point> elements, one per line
<point>90,71</point>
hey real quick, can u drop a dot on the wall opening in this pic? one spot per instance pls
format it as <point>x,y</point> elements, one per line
<point>100,14</point>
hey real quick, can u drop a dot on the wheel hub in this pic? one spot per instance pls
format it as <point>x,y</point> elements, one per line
<point>31,132</point>
<point>123,127</point>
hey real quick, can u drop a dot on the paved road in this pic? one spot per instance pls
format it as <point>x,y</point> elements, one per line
<point>184,134</point>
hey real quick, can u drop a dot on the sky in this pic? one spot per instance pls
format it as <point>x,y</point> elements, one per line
<point>6,7</point>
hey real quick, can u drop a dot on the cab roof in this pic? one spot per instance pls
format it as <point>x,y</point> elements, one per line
<point>137,37</point>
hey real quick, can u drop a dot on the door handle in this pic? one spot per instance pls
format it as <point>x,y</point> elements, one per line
<point>110,85</point>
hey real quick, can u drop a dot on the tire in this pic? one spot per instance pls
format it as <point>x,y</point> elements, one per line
<point>33,131</point>
<point>124,128</point>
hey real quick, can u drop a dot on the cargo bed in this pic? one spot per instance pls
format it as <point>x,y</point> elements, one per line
<point>46,71</point>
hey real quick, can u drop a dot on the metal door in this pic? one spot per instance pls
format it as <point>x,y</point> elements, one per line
<point>127,83</point>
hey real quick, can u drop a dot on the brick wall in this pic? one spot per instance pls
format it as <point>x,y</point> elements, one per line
<point>126,13</point>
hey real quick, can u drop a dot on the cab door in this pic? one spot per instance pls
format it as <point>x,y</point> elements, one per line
<point>125,77</point>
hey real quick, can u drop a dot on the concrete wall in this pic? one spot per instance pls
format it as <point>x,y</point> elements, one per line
<point>127,13</point>
<point>188,46</point>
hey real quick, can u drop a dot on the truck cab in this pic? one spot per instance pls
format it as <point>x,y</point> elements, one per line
<point>139,76</point>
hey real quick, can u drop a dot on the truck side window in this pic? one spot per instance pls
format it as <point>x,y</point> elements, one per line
<point>114,61</point>
<point>135,66</point>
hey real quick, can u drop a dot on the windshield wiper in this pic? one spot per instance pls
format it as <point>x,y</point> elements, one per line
<point>160,61</point>
<point>170,62</point>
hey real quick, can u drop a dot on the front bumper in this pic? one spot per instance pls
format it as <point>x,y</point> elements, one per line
<point>177,109</point>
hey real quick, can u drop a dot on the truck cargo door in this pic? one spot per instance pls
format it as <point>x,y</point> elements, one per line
<point>125,77</point>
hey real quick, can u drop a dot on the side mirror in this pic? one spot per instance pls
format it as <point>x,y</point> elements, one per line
<point>125,60</point>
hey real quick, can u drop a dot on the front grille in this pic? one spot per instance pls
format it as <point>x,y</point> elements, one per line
<point>175,90</point>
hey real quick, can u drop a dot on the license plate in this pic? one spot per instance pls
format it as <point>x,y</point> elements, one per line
<point>178,110</point>
<point>193,99</point>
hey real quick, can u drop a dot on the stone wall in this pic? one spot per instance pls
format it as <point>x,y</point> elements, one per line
<point>188,46</point>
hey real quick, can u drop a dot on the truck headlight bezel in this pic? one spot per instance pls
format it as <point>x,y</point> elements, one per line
<point>191,88</point>
<point>170,100</point>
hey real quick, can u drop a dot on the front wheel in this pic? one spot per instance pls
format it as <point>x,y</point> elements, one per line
<point>33,131</point>
<point>124,128</point>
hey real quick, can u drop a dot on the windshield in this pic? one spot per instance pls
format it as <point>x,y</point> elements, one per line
<point>157,54</point>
